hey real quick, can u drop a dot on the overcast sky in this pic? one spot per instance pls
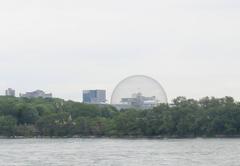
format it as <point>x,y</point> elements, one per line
<point>64,46</point>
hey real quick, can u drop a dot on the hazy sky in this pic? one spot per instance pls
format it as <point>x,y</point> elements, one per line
<point>64,46</point>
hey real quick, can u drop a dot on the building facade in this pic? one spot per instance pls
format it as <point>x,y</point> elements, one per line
<point>10,92</point>
<point>94,96</point>
<point>36,94</point>
<point>139,101</point>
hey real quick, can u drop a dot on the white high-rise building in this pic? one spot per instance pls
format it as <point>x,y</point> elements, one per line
<point>10,92</point>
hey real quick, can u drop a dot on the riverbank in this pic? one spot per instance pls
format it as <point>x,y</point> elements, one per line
<point>185,118</point>
<point>116,137</point>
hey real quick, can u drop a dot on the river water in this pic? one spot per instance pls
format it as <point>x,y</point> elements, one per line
<point>119,152</point>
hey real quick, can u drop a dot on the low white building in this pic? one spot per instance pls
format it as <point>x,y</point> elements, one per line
<point>36,94</point>
<point>138,101</point>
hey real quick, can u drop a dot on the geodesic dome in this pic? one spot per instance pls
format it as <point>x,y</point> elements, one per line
<point>138,91</point>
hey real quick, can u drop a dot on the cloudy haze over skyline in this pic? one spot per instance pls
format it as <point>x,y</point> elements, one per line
<point>64,46</point>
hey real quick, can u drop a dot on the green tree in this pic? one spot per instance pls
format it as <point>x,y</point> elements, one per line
<point>7,125</point>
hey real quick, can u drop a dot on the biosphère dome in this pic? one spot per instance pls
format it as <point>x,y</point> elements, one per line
<point>138,91</point>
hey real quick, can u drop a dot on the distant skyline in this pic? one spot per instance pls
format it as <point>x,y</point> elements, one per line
<point>66,46</point>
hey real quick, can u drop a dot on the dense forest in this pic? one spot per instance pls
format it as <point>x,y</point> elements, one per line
<point>207,117</point>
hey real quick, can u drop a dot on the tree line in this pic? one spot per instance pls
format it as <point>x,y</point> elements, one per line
<point>207,117</point>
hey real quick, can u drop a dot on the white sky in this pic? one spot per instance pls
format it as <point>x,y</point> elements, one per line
<point>64,46</point>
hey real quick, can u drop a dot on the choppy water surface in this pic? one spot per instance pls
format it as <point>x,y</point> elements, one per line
<point>119,152</point>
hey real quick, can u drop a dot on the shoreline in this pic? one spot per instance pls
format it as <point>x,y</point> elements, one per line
<point>121,137</point>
